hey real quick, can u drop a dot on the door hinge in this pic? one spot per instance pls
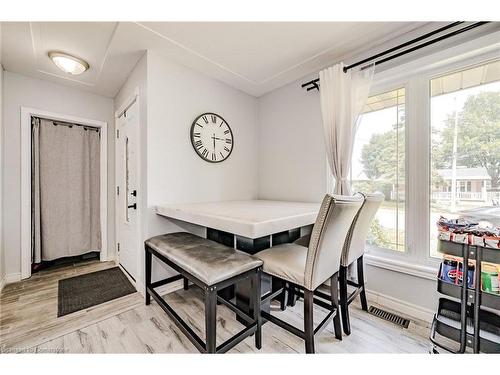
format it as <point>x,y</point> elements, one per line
<point>117,133</point>
<point>117,190</point>
<point>118,246</point>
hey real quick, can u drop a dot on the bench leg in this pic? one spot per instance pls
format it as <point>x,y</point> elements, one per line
<point>148,261</point>
<point>210,319</point>
<point>186,284</point>
<point>256,308</point>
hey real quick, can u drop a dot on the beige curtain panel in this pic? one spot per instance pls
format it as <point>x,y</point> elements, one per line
<point>65,190</point>
<point>342,96</point>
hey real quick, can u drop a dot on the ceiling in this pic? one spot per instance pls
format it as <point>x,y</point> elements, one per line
<point>250,56</point>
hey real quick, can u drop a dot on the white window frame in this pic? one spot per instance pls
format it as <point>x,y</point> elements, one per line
<point>415,78</point>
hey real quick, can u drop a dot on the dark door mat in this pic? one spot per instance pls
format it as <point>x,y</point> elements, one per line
<point>80,292</point>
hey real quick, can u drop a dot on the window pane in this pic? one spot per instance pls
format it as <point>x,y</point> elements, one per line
<point>378,164</point>
<point>465,147</point>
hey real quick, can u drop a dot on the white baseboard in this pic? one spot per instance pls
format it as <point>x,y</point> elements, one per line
<point>403,307</point>
<point>9,279</point>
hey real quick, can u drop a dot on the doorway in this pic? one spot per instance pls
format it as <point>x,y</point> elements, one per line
<point>127,192</point>
<point>26,180</point>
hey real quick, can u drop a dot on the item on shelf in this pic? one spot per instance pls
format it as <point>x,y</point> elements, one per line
<point>463,231</point>
<point>492,242</point>
<point>449,269</point>
<point>470,274</point>
<point>454,224</point>
<point>489,278</point>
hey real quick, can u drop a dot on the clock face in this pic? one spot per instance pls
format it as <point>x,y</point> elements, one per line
<point>212,137</point>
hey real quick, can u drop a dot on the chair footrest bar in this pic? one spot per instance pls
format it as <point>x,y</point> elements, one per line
<point>325,322</point>
<point>236,339</point>
<point>318,302</point>
<point>271,295</point>
<point>353,295</point>
<point>191,335</point>
<point>283,324</point>
<point>352,283</point>
<point>236,309</point>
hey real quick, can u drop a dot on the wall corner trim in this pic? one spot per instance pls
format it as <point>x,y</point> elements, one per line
<point>10,278</point>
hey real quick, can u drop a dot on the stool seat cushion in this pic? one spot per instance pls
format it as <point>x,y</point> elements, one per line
<point>286,261</point>
<point>208,261</point>
<point>303,241</point>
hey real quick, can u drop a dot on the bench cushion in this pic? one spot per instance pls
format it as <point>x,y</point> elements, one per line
<point>208,261</point>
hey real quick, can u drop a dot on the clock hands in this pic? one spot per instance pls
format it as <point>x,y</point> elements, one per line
<point>219,139</point>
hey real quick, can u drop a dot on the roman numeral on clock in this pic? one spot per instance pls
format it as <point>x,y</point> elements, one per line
<point>214,156</point>
<point>229,141</point>
<point>226,149</point>
<point>197,135</point>
<point>204,152</point>
<point>214,119</point>
<point>198,144</point>
<point>205,118</point>
<point>226,132</point>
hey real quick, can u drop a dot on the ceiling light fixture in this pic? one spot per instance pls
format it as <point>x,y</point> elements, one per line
<point>67,63</point>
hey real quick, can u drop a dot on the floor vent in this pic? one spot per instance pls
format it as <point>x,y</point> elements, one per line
<point>391,317</point>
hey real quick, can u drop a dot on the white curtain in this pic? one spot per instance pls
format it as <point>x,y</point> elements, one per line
<point>343,96</point>
<point>65,190</point>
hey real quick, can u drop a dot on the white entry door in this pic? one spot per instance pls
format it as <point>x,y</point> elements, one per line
<point>127,161</point>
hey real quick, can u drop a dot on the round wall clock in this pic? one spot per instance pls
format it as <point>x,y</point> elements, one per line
<point>212,137</point>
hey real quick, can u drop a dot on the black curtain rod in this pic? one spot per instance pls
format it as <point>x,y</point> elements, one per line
<point>315,82</point>
<point>70,125</point>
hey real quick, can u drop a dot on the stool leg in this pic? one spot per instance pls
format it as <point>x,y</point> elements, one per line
<point>284,296</point>
<point>148,261</point>
<point>210,319</point>
<point>256,308</point>
<point>344,307</point>
<point>361,282</point>
<point>334,293</point>
<point>308,320</point>
<point>292,297</point>
<point>186,284</point>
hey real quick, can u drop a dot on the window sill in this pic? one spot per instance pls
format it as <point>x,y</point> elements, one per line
<point>425,272</point>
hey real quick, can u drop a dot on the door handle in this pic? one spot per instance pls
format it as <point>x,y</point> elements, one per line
<point>134,206</point>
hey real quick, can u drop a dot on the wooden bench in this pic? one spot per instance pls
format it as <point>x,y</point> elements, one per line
<point>212,267</point>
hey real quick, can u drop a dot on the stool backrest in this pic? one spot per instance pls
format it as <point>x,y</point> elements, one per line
<point>355,244</point>
<point>328,236</point>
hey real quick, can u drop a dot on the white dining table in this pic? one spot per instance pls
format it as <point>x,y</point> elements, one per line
<point>249,226</point>
<point>247,218</point>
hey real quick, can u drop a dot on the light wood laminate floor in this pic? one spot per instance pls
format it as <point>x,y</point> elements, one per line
<point>28,322</point>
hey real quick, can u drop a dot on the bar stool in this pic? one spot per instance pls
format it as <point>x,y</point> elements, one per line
<point>308,268</point>
<point>353,251</point>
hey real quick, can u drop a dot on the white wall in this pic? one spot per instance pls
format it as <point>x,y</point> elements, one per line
<point>20,91</point>
<point>176,96</point>
<point>292,163</point>
<point>172,96</point>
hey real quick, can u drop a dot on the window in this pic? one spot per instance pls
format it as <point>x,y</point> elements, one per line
<point>465,147</point>
<point>378,164</point>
